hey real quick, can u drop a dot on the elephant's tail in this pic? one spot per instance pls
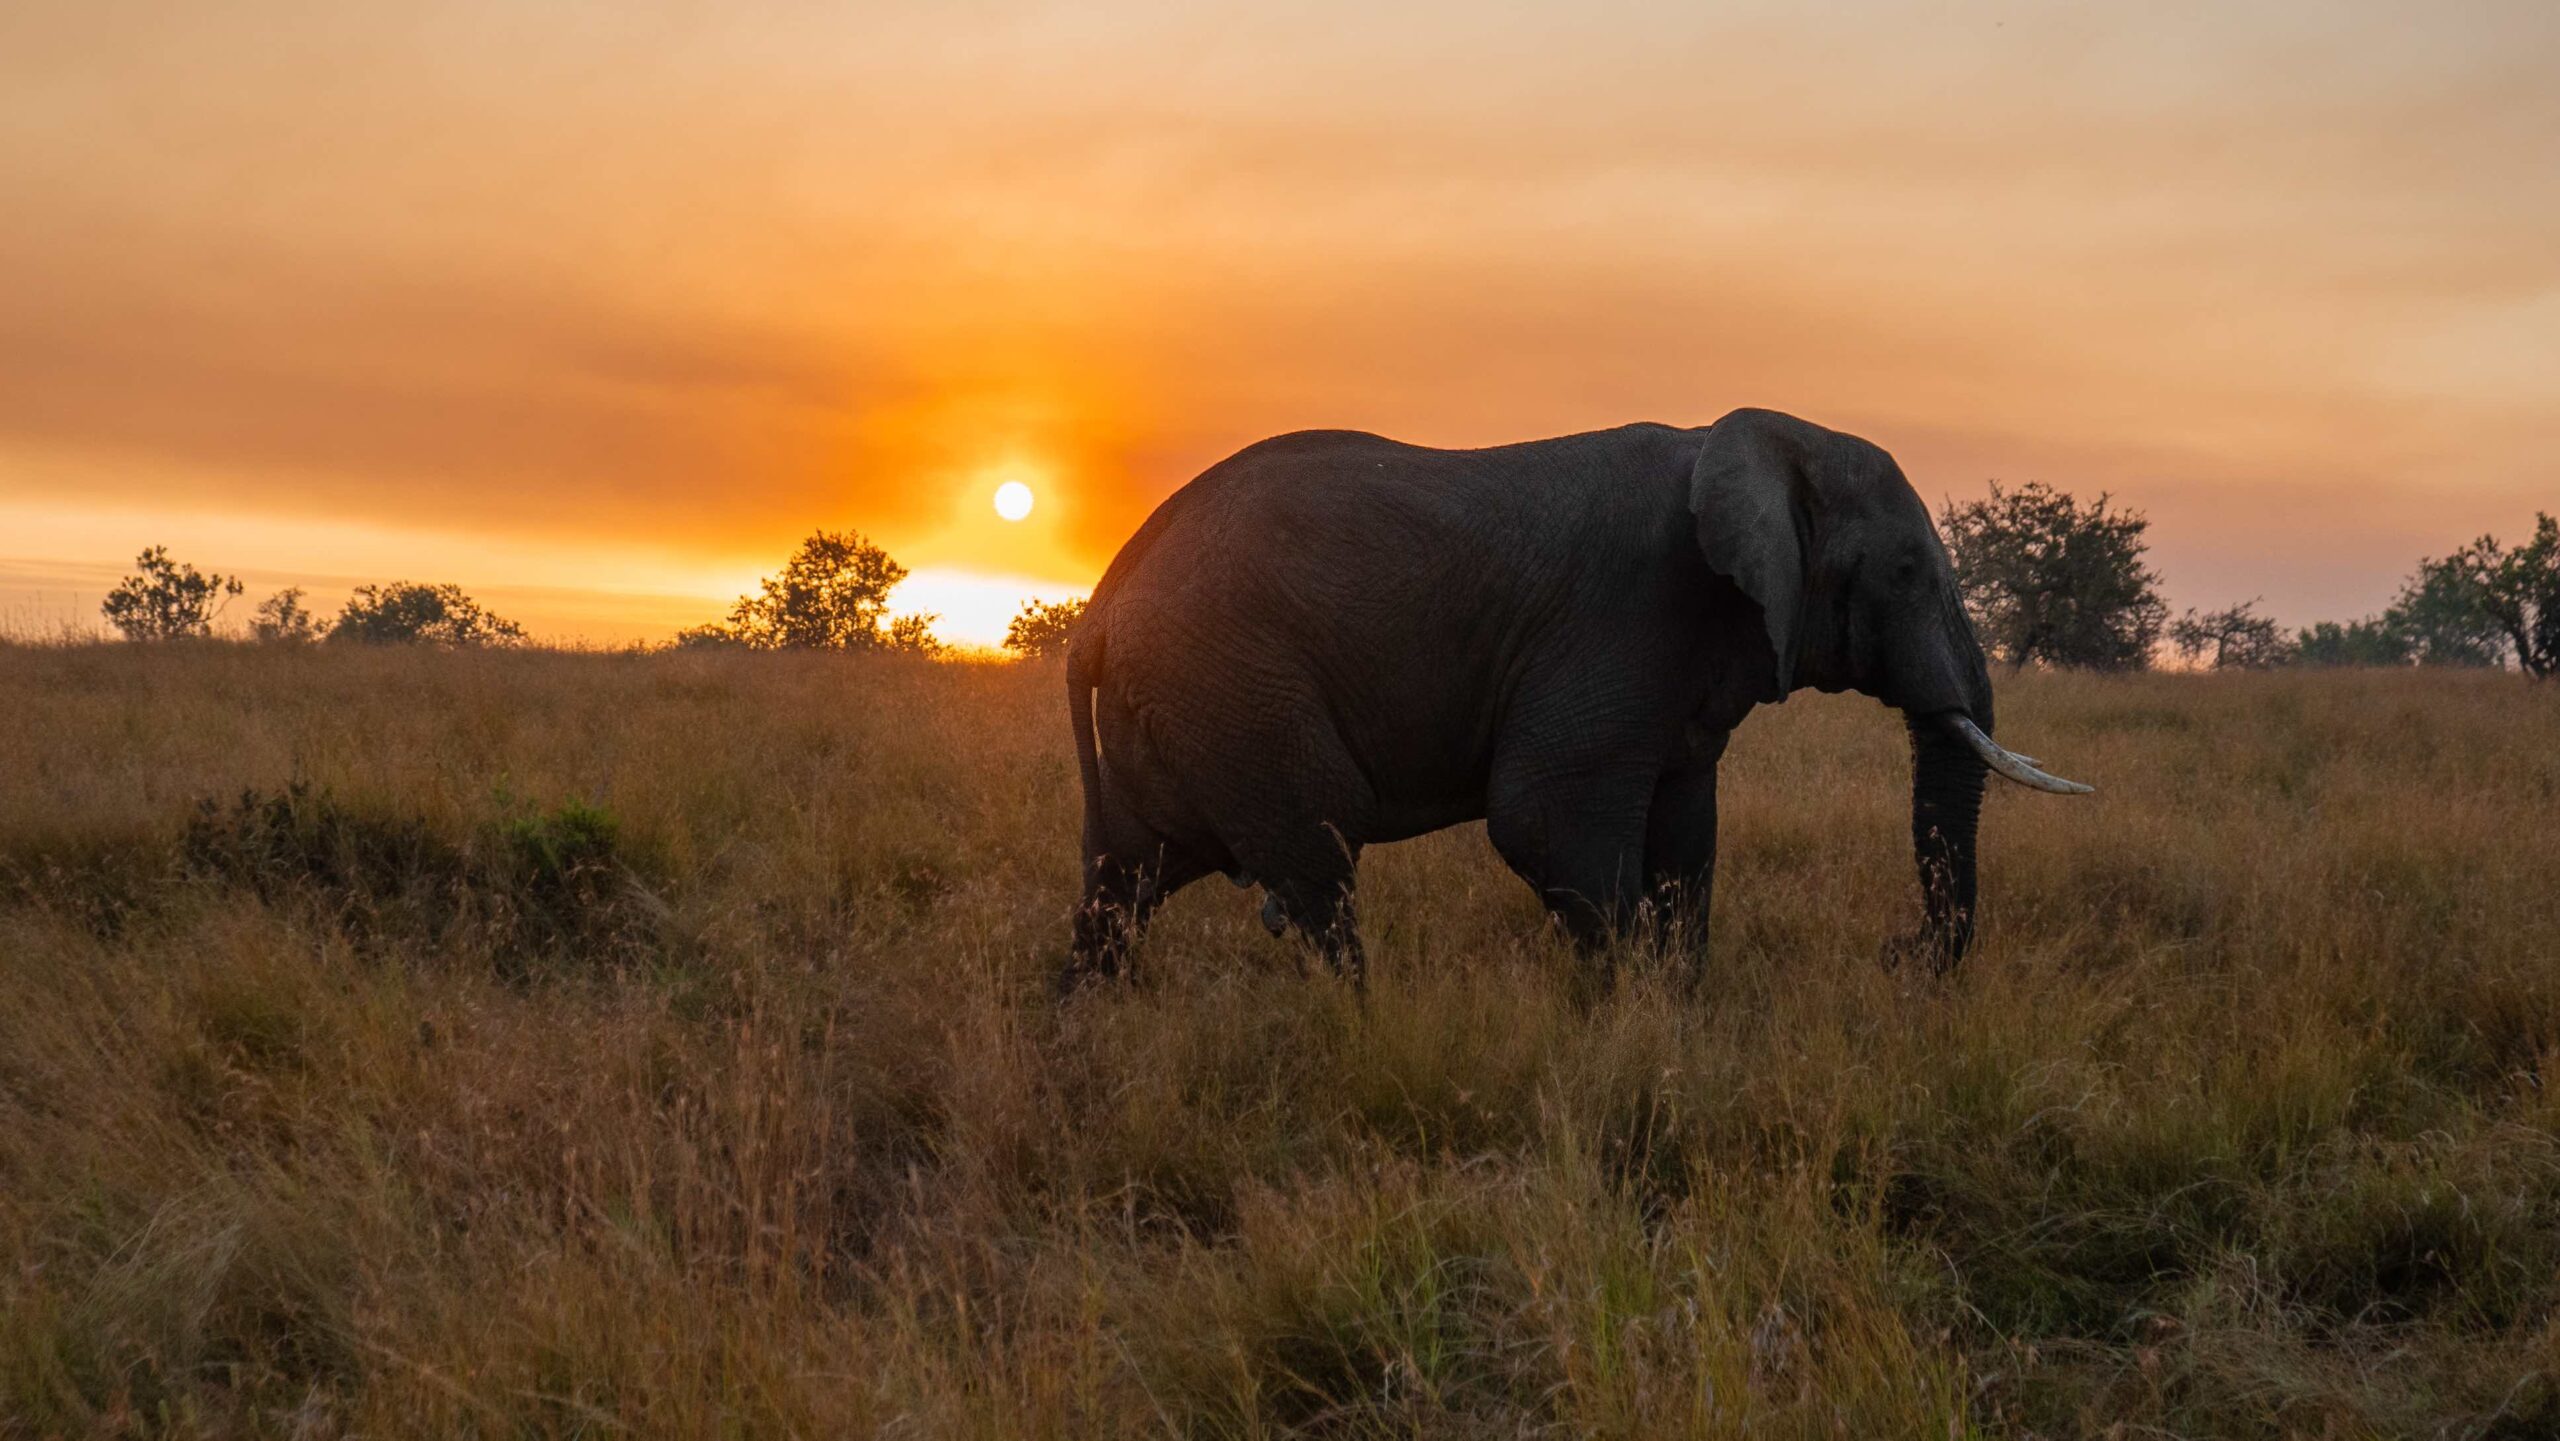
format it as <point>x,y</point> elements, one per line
<point>1084,672</point>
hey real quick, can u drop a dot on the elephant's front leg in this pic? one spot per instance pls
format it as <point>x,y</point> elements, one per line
<point>1680,858</point>
<point>1680,845</point>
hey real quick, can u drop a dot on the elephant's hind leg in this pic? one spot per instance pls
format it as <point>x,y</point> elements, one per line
<point>1301,806</point>
<point>1122,891</point>
<point>1129,870</point>
<point>1313,891</point>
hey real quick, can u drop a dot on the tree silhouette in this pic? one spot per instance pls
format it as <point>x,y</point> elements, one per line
<point>2518,592</point>
<point>833,594</point>
<point>282,619</point>
<point>2375,640</point>
<point>2049,579</point>
<point>1042,627</point>
<point>166,600</point>
<point>2472,608</point>
<point>409,613</point>
<point>2239,638</point>
<point>2442,614</point>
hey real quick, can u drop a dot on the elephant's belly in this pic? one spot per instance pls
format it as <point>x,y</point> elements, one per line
<point>1427,766</point>
<point>1400,822</point>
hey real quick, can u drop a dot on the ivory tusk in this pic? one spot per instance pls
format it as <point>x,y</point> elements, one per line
<point>2009,764</point>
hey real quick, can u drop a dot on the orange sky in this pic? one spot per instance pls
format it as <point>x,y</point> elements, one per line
<point>598,308</point>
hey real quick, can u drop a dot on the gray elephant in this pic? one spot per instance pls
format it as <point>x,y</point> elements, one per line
<point>1332,639</point>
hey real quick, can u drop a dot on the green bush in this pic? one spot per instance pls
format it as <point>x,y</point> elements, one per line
<point>535,887</point>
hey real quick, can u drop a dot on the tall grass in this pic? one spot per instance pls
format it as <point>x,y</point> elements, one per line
<point>426,1044</point>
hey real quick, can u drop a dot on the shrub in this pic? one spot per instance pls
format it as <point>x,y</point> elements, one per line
<point>2375,640</point>
<point>282,619</point>
<point>1042,627</point>
<point>537,885</point>
<point>166,600</point>
<point>408,613</point>
<point>911,635</point>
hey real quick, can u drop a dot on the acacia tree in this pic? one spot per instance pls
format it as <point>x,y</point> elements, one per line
<point>832,594</point>
<point>2050,579</point>
<point>2238,638</point>
<point>409,613</point>
<point>1042,627</point>
<point>167,600</point>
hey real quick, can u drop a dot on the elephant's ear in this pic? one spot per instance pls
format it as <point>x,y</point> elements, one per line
<point>1748,494</point>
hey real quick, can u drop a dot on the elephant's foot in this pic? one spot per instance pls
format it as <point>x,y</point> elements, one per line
<point>1929,951</point>
<point>1098,949</point>
<point>1334,936</point>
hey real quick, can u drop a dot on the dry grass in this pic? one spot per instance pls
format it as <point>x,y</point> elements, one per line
<point>601,1044</point>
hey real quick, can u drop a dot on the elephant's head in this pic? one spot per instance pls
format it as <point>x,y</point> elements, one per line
<point>1856,593</point>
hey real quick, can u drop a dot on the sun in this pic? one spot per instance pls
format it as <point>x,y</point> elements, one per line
<point>1013,500</point>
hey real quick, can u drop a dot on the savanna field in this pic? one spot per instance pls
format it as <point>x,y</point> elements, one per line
<point>399,1043</point>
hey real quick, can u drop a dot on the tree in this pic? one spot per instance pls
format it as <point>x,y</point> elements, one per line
<point>912,635</point>
<point>1042,627</point>
<point>2238,638</point>
<point>2442,612</point>
<point>2373,641</point>
<point>2519,593</point>
<point>2049,579</point>
<point>282,619</point>
<point>409,613</point>
<point>833,594</point>
<point>709,636</point>
<point>165,600</point>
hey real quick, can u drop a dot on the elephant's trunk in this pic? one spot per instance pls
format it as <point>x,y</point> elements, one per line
<point>1946,808</point>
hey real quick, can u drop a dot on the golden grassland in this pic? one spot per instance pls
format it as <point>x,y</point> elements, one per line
<point>540,1044</point>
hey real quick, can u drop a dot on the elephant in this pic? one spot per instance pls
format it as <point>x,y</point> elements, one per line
<point>1331,639</point>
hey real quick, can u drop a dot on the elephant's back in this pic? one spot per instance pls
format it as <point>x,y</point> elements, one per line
<point>1375,564</point>
<point>1276,544</point>
<point>1200,511</point>
<point>1285,513</point>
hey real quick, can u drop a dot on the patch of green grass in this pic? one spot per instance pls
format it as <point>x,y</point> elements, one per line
<point>531,887</point>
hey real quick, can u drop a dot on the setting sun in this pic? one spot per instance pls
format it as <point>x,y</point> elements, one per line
<point>1013,500</point>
